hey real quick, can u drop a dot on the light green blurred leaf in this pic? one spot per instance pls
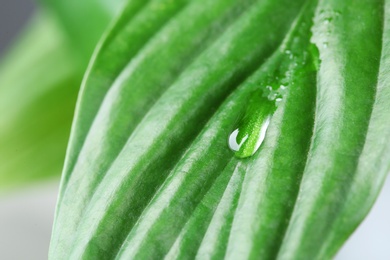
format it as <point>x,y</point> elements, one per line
<point>39,80</point>
<point>85,20</point>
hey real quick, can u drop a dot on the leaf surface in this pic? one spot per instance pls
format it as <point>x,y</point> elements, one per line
<point>149,173</point>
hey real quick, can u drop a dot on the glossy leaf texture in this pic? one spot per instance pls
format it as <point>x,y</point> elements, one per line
<point>39,81</point>
<point>149,173</point>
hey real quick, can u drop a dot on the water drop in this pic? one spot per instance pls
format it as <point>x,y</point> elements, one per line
<point>289,54</point>
<point>328,20</point>
<point>250,133</point>
<point>247,145</point>
<point>272,95</point>
<point>234,143</point>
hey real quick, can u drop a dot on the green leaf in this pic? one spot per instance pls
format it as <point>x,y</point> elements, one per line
<point>349,158</point>
<point>84,21</point>
<point>39,81</point>
<point>149,173</point>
